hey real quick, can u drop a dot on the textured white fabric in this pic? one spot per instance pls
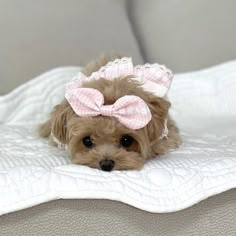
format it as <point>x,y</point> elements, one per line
<point>203,104</point>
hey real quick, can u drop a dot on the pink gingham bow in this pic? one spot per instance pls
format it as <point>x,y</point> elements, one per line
<point>130,110</point>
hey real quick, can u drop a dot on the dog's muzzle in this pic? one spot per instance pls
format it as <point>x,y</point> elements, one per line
<point>107,165</point>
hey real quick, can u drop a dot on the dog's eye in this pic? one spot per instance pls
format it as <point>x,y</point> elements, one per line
<point>126,141</point>
<point>88,142</point>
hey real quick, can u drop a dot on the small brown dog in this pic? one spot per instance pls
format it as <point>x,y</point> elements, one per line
<point>102,141</point>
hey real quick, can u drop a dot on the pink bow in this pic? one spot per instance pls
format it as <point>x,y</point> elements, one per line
<point>130,110</point>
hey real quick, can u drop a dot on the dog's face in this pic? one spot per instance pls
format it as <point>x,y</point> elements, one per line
<point>104,143</point>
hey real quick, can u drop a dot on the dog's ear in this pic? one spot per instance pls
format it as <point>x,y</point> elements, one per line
<point>59,119</point>
<point>159,108</point>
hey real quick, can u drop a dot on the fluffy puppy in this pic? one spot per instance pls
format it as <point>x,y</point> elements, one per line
<point>102,141</point>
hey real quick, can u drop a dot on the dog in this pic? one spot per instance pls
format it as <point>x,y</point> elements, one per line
<point>103,141</point>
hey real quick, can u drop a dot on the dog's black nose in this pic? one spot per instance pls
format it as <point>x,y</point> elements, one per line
<point>107,165</point>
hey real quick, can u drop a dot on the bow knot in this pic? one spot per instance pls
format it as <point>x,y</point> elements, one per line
<point>107,110</point>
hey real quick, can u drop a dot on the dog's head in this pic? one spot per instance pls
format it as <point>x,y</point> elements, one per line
<point>102,141</point>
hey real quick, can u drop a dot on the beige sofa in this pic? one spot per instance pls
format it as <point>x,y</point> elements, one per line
<point>185,35</point>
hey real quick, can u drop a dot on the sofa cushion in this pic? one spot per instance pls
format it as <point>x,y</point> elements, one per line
<point>186,35</point>
<point>39,35</point>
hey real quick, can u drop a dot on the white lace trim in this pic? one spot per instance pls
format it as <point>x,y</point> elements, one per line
<point>58,143</point>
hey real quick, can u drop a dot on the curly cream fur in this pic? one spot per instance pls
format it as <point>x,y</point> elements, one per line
<point>106,132</point>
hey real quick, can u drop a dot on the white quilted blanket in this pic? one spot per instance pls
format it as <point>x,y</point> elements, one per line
<point>31,172</point>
